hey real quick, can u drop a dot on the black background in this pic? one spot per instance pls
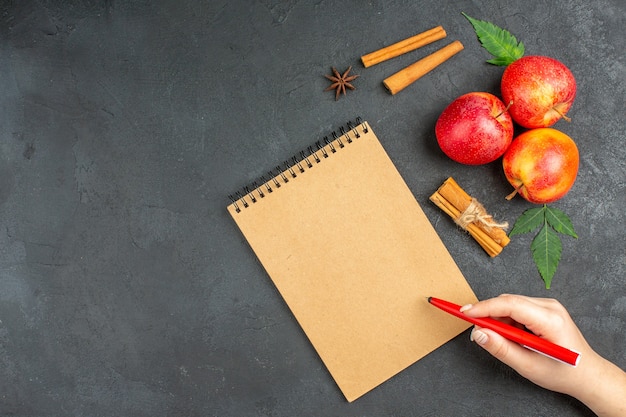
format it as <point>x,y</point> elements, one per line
<point>126,288</point>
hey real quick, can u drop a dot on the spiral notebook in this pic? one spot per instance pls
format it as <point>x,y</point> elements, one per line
<point>354,257</point>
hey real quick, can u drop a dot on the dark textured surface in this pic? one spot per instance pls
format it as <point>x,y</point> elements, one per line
<point>125,287</point>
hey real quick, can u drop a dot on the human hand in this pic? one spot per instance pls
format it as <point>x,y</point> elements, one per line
<point>595,381</point>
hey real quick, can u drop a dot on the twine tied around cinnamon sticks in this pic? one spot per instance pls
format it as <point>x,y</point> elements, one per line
<point>475,212</point>
<point>405,77</point>
<point>471,216</point>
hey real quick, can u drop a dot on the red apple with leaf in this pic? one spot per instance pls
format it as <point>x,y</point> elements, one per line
<point>542,165</point>
<point>539,89</point>
<point>474,129</point>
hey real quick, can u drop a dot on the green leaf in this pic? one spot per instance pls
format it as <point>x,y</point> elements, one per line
<point>528,220</point>
<point>497,41</point>
<point>560,222</point>
<point>546,248</point>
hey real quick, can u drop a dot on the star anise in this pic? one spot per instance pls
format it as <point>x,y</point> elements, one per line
<point>340,82</point>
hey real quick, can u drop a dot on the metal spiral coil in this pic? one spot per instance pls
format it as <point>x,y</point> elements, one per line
<point>296,165</point>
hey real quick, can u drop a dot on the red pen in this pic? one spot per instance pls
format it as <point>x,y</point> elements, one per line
<point>524,338</point>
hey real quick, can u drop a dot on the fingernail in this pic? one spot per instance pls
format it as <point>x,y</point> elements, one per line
<point>478,337</point>
<point>465,307</point>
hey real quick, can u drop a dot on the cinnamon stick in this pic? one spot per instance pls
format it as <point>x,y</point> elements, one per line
<point>404,46</point>
<point>471,216</point>
<point>405,77</point>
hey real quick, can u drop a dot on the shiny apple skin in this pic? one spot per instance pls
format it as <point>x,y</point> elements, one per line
<point>542,164</point>
<point>474,129</point>
<point>541,90</point>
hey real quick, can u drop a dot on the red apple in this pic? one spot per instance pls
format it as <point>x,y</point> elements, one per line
<point>474,129</point>
<point>541,164</point>
<point>541,90</point>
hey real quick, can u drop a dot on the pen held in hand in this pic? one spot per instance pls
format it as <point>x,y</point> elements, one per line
<point>524,338</point>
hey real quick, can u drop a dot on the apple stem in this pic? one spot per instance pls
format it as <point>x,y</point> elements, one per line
<point>513,194</point>
<point>507,109</point>
<point>567,119</point>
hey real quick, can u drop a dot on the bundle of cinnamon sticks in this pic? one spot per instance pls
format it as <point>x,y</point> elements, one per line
<point>470,215</point>
<point>413,72</point>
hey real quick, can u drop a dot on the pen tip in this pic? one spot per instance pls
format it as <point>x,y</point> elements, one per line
<point>428,298</point>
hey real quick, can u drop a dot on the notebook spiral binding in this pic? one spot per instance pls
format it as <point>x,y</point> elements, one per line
<point>295,165</point>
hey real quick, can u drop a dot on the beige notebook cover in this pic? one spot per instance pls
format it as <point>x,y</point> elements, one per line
<point>355,258</point>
